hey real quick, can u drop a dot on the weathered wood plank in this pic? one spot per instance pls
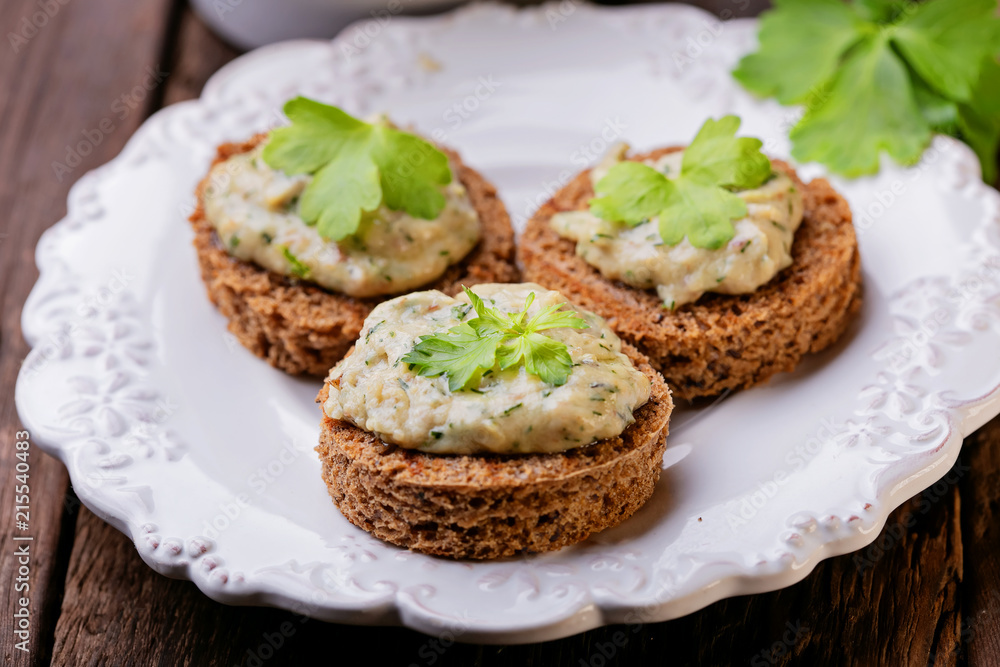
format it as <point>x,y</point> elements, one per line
<point>63,67</point>
<point>117,610</point>
<point>981,528</point>
<point>109,590</point>
<point>198,54</point>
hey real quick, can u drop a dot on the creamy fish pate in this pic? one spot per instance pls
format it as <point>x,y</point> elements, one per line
<point>510,411</point>
<point>253,209</point>
<point>638,257</point>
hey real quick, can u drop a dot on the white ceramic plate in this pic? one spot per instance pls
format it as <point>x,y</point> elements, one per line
<point>202,453</point>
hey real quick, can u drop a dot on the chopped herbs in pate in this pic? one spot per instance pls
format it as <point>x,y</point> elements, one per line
<point>681,273</point>
<point>254,210</point>
<point>507,411</point>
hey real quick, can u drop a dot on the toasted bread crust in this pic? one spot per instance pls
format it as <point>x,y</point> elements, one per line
<point>302,328</point>
<point>493,506</point>
<point>719,342</point>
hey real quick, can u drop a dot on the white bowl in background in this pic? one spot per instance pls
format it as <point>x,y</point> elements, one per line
<point>252,23</point>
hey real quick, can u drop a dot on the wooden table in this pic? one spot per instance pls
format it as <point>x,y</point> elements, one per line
<point>932,597</point>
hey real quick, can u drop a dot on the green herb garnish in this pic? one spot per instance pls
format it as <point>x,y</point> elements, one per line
<point>697,203</point>
<point>880,75</point>
<point>466,350</point>
<point>374,328</point>
<point>298,268</point>
<point>356,166</point>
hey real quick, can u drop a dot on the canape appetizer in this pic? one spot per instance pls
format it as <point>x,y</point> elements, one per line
<point>502,421</point>
<point>302,231</point>
<point>718,263</point>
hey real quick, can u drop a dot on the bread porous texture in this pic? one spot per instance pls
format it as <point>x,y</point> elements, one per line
<point>302,328</point>
<point>494,506</point>
<point>720,342</point>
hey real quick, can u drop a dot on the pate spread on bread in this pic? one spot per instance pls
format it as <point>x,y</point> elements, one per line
<point>715,342</point>
<point>590,435</point>
<point>296,292</point>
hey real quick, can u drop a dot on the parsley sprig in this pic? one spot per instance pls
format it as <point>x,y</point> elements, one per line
<point>356,167</point>
<point>699,202</point>
<point>880,75</point>
<point>493,338</point>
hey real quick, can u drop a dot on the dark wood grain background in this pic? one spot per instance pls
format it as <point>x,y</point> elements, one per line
<point>931,598</point>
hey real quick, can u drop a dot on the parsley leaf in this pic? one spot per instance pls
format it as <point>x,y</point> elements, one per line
<point>943,41</point>
<point>461,353</point>
<point>542,356</point>
<point>717,155</point>
<point>631,192</point>
<point>879,75</point>
<point>356,167</point>
<point>869,107</point>
<point>702,213</point>
<point>979,119</point>
<point>881,11</point>
<point>697,204</point>
<point>939,112</point>
<point>802,31</point>
<point>492,338</point>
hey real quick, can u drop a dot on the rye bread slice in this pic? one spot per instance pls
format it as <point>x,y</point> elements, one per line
<point>493,506</point>
<point>302,328</point>
<point>720,342</point>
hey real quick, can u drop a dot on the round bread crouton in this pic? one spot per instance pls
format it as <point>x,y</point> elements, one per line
<point>494,506</point>
<point>720,342</point>
<point>302,328</point>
